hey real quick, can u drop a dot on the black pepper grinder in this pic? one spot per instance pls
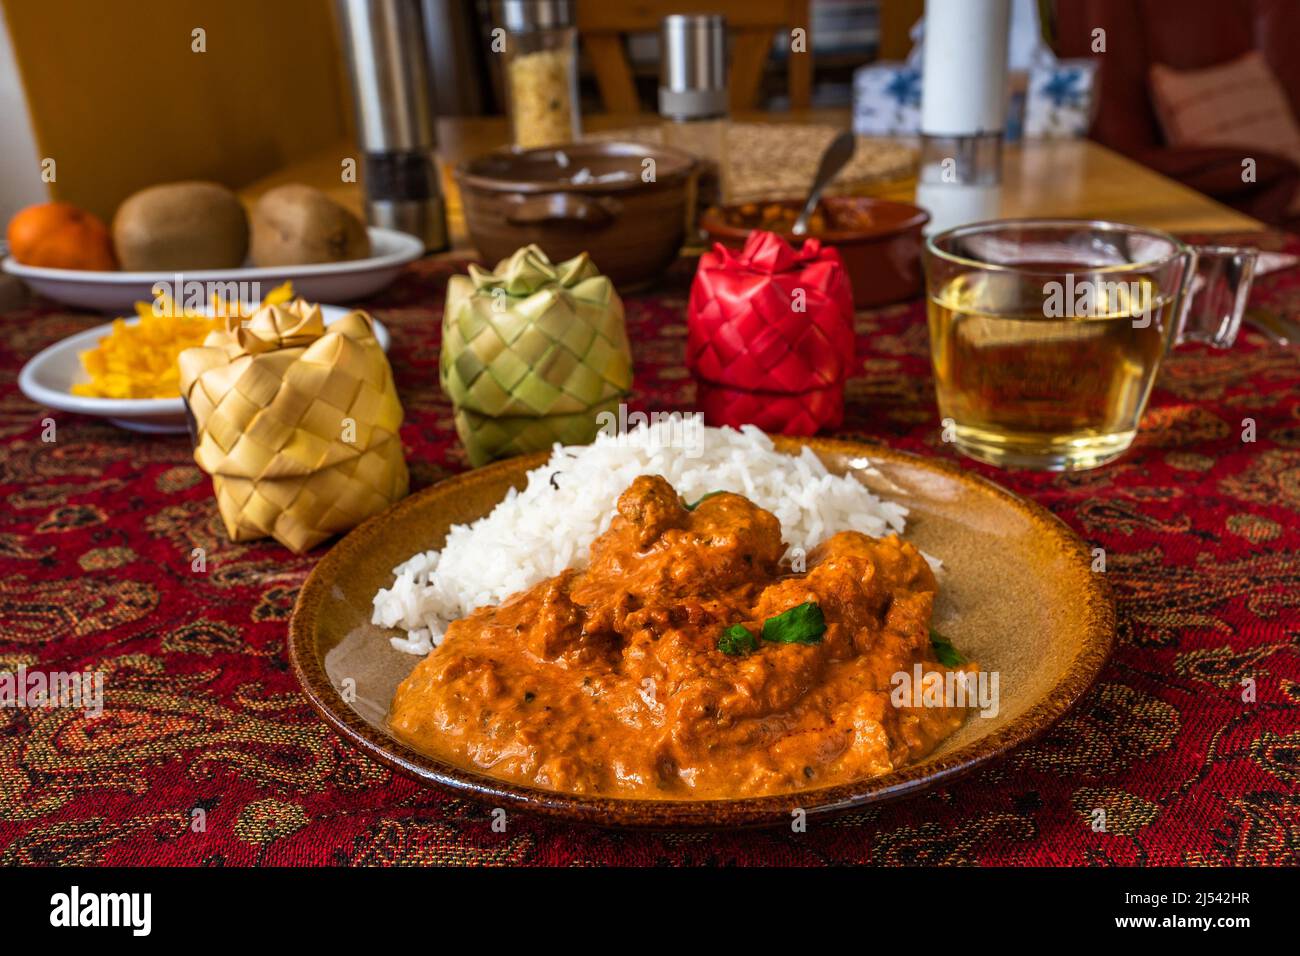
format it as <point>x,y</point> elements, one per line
<point>387,61</point>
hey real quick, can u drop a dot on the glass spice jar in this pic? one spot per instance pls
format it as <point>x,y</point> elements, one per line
<point>541,71</point>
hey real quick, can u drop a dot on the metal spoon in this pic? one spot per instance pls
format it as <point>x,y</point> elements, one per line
<point>835,158</point>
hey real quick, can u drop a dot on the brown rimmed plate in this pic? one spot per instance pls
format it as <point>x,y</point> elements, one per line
<point>1018,595</point>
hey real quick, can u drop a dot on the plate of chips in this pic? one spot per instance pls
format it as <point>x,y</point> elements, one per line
<point>126,370</point>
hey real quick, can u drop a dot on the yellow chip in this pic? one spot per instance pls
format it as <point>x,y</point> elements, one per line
<point>139,360</point>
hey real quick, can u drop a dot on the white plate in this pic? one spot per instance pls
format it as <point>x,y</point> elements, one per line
<point>48,379</point>
<point>319,282</point>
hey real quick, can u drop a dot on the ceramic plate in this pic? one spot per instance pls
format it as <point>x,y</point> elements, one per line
<point>48,379</point>
<point>319,282</point>
<point>1018,595</point>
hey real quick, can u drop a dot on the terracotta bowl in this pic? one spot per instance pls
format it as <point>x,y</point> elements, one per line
<point>882,251</point>
<point>632,228</point>
<point>1018,596</point>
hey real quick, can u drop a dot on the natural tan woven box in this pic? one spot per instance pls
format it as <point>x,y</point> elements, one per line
<point>296,423</point>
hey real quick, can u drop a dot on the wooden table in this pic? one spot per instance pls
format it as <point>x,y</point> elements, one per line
<point>1080,178</point>
<point>1066,178</point>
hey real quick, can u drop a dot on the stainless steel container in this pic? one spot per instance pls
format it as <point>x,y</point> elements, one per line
<point>693,66</point>
<point>383,42</point>
<point>693,102</point>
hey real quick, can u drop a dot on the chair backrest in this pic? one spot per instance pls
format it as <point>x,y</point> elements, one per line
<point>752,24</point>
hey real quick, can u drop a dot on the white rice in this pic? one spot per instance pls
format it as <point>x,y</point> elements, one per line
<point>549,526</point>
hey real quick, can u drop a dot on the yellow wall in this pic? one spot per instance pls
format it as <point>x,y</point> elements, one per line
<point>119,101</point>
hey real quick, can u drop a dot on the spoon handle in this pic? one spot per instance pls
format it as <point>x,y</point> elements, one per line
<point>835,157</point>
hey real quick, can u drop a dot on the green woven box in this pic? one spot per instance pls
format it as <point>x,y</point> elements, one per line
<point>531,353</point>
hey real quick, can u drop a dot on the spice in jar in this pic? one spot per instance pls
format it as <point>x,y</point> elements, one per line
<point>541,85</point>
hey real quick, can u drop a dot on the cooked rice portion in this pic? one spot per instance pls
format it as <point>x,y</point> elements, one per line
<point>537,533</point>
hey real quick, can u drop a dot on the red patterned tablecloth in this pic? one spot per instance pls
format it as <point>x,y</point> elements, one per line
<point>203,713</point>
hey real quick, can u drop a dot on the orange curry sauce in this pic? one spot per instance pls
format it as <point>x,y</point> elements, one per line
<point>610,680</point>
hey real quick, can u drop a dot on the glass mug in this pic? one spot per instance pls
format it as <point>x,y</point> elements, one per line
<point>1046,334</point>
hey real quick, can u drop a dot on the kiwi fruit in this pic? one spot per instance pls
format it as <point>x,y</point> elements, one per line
<point>178,226</point>
<point>296,224</point>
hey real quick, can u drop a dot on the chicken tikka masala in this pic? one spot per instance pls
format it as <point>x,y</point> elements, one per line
<point>687,662</point>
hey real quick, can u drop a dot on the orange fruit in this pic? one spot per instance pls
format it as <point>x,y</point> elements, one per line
<point>59,235</point>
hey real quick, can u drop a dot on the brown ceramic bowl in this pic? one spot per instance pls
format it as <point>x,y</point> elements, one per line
<point>633,229</point>
<point>1018,596</point>
<point>879,240</point>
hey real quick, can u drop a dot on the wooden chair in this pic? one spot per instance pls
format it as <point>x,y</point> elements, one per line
<point>897,17</point>
<point>752,24</point>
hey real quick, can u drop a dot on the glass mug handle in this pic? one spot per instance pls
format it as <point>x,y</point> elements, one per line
<point>1214,292</point>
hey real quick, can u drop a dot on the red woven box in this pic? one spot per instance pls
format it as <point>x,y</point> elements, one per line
<point>771,335</point>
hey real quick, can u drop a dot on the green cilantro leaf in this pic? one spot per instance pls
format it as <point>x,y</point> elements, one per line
<point>802,624</point>
<point>737,640</point>
<point>711,494</point>
<point>948,655</point>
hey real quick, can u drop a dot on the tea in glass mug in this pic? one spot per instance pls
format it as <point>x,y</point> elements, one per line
<point>1046,335</point>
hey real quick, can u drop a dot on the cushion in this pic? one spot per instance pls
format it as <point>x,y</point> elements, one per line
<point>887,100</point>
<point>1060,98</point>
<point>1238,103</point>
